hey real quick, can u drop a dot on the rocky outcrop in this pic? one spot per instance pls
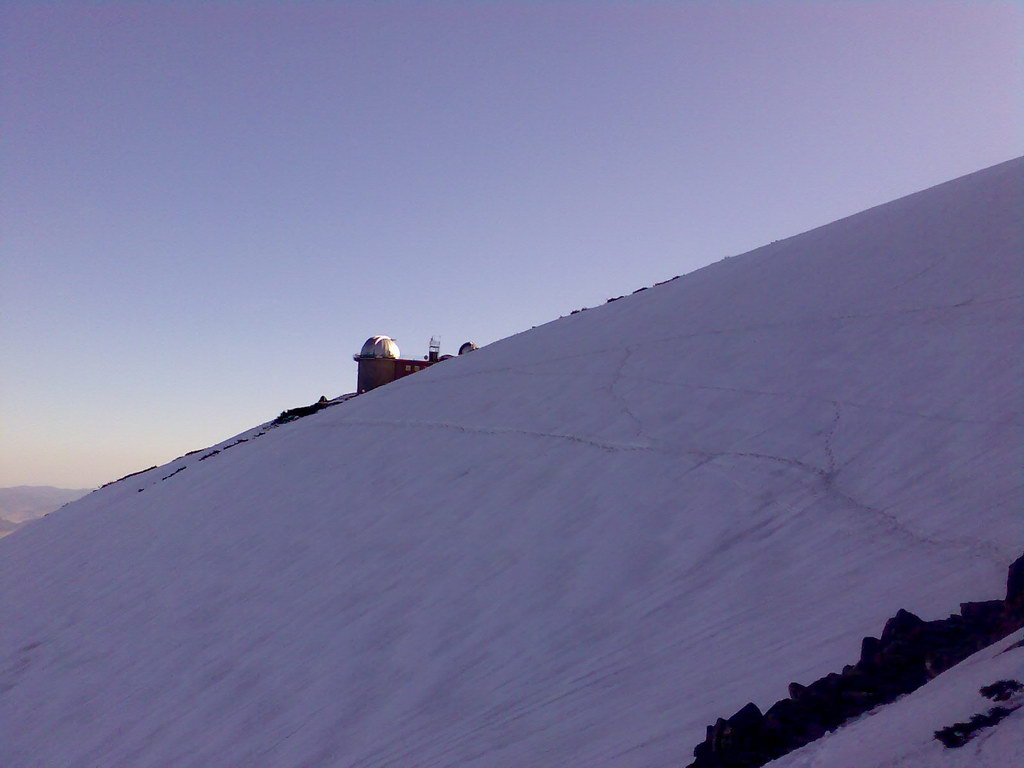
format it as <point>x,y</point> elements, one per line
<point>307,410</point>
<point>958,734</point>
<point>303,410</point>
<point>909,653</point>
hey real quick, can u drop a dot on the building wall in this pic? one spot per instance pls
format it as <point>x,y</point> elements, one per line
<point>377,371</point>
<point>407,367</point>
<point>374,372</point>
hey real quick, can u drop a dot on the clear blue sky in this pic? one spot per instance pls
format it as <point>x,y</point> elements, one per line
<point>207,207</point>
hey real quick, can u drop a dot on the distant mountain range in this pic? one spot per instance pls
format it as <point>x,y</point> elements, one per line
<point>22,503</point>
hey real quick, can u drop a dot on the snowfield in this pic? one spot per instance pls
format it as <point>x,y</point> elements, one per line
<point>575,547</point>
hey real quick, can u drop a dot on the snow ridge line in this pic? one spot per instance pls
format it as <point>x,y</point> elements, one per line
<point>829,453</point>
<point>616,379</point>
<point>834,402</point>
<point>794,323</point>
<point>602,444</point>
<point>703,456</point>
<point>809,468</point>
<point>890,521</point>
<point>981,549</point>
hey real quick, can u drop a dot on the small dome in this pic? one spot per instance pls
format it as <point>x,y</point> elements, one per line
<point>469,346</point>
<point>380,346</point>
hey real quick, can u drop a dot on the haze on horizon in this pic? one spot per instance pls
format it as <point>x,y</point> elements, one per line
<point>208,207</point>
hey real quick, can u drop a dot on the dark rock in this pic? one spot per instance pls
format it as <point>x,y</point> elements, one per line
<point>869,648</point>
<point>733,743</point>
<point>901,626</point>
<point>133,474</point>
<point>823,687</point>
<point>302,411</point>
<point>1001,690</point>
<point>747,717</point>
<point>781,727</point>
<point>987,614</point>
<point>779,713</point>
<point>1015,585</point>
<point>958,734</point>
<point>908,653</point>
<point>857,701</point>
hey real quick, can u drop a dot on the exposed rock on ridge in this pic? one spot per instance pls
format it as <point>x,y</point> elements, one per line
<point>909,653</point>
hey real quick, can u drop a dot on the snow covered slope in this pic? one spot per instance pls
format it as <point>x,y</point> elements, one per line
<point>577,546</point>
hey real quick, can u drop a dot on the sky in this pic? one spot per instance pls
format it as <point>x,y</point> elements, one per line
<point>206,208</point>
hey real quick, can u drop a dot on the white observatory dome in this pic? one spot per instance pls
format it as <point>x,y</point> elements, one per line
<point>380,346</point>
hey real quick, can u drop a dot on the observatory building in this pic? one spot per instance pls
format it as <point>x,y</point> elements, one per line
<point>380,361</point>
